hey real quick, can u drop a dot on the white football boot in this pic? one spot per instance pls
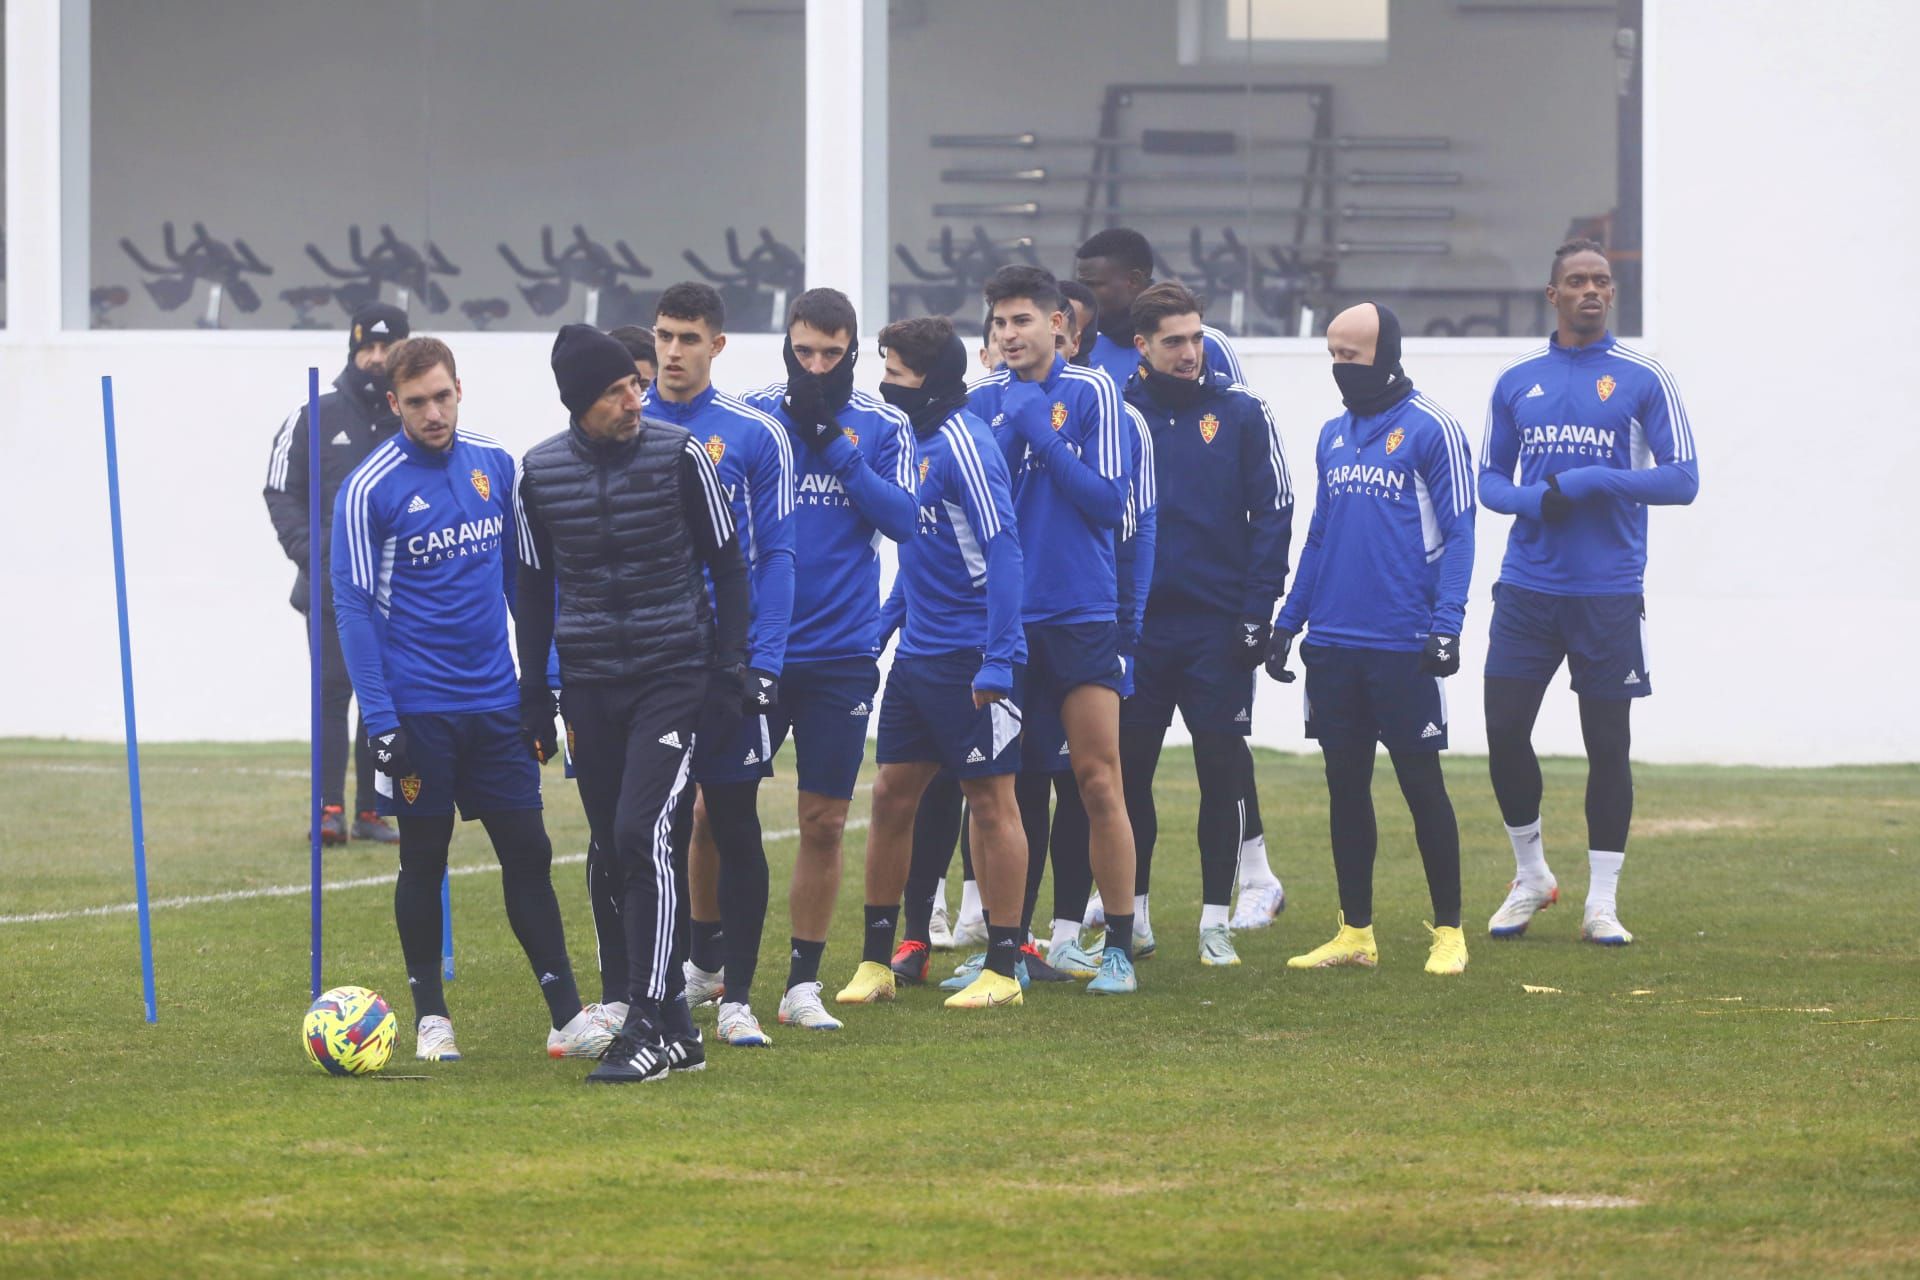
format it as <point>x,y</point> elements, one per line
<point>1260,903</point>
<point>801,1007</point>
<point>433,1040</point>
<point>1603,926</point>
<point>739,1028</point>
<point>587,1036</point>
<point>703,987</point>
<point>1525,899</point>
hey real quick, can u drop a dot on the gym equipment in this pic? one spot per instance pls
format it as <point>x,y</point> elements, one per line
<point>392,262</point>
<point>482,312</point>
<point>759,286</point>
<point>1189,142</point>
<point>597,270</point>
<point>103,299</point>
<point>224,267</point>
<point>305,301</point>
<point>967,268</point>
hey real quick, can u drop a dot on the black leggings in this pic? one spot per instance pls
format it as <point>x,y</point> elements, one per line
<point>1605,724</point>
<point>1222,763</point>
<point>936,826</point>
<point>733,815</point>
<point>1355,838</point>
<point>526,862</point>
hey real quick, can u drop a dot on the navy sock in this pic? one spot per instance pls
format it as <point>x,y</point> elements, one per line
<point>707,946</point>
<point>803,964</point>
<point>1120,933</point>
<point>1003,949</point>
<point>878,939</point>
<point>678,1019</point>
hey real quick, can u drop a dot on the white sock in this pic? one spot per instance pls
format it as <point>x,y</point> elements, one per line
<point>940,896</point>
<point>1253,862</point>
<point>1605,883</point>
<point>1140,922</point>
<point>970,900</point>
<point>1065,931</point>
<point>1529,853</point>
<point>1212,918</point>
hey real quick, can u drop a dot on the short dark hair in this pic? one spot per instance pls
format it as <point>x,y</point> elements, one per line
<point>691,300</point>
<point>1580,244</point>
<point>986,330</point>
<point>918,341</point>
<point>828,310</point>
<point>1074,291</point>
<point>1160,302</point>
<point>417,357</point>
<point>1018,280</point>
<point>1122,244</point>
<point>638,341</point>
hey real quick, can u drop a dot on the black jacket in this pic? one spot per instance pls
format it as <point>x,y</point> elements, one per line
<point>623,529</point>
<point>352,424</point>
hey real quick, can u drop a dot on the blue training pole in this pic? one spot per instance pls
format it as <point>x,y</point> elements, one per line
<point>446,928</point>
<point>314,597</point>
<point>126,690</point>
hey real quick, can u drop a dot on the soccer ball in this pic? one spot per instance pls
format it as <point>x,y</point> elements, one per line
<point>349,1031</point>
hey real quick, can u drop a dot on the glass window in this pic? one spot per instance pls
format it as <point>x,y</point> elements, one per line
<point>1286,158</point>
<point>497,166</point>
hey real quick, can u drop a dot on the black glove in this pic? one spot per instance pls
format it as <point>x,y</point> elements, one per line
<point>390,753</point>
<point>1441,657</point>
<point>762,692</point>
<point>807,408</point>
<point>1277,650</point>
<point>1555,505</point>
<point>1251,643</point>
<point>726,695</point>
<point>537,709</point>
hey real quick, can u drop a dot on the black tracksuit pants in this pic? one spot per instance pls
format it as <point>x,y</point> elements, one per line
<point>336,692</point>
<point>632,753</point>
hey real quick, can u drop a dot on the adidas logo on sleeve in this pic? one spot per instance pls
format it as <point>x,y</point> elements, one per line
<point>671,738</point>
<point>1535,392</point>
<point>418,504</point>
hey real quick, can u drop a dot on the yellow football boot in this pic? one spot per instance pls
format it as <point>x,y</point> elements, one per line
<point>1349,946</point>
<point>988,991</point>
<point>872,983</point>
<point>1448,954</point>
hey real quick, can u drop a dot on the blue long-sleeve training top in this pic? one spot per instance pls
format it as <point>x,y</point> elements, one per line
<point>1389,552</point>
<point>1227,521</point>
<point>961,578</point>
<point>1136,552</point>
<point>1066,449</point>
<point>753,455</point>
<point>424,566</point>
<point>846,496</point>
<point>1608,422</point>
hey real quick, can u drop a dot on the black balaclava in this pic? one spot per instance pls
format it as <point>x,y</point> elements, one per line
<point>1368,389</point>
<point>375,322</point>
<point>942,395</point>
<point>836,384</point>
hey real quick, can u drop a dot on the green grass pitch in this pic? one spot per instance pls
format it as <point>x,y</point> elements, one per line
<point>1754,1113</point>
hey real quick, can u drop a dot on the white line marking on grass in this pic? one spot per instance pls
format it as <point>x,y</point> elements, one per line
<point>242,770</point>
<point>1539,1201</point>
<point>326,886</point>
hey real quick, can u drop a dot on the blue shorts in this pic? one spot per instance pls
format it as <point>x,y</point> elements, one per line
<point>1062,656</point>
<point>826,706</point>
<point>1190,661</point>
<point>474,760</point>
<point>928,715</point>
<point>1603,638</point>
<point>1368,695</point>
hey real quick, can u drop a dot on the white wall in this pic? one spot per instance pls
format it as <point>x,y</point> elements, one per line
<point>1780,198</point>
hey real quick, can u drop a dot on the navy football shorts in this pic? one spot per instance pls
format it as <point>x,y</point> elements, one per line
<point>928,715</point>
<point>474,760</point>
<point>1190,661</point>
<point>1369,695</point>
<point>1603,639</point>
<point>826,706</point>
<point>1062,656</point>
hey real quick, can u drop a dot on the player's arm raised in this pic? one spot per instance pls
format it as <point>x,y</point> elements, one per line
<point>1097,484</point>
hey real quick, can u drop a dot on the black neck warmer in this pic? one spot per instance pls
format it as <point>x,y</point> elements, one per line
<point>942,395</point>
<point>1172,392</point>
<point>1368,389</point>
<point>836,384</point>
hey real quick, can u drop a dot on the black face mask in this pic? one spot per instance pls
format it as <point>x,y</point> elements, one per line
<point>1368,389</point>
<point>371,388</point>
<point>1173,392</point>
<point>836,384</point>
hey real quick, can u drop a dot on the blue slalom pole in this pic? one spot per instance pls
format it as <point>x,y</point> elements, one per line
<point>126,690</point>
<point>314,597</point>
<point>446,928</point>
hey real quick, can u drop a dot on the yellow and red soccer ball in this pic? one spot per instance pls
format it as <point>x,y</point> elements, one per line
<point>349,1031</point>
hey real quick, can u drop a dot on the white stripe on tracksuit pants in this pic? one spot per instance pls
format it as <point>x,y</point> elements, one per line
<point>633,753</point>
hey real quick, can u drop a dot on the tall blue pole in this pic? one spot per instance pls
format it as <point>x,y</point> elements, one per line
<point>446,928</point>
<point>126,691</point>
<point>315,594</point>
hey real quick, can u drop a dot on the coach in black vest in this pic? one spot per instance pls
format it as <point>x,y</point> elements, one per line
<point>620,512</point>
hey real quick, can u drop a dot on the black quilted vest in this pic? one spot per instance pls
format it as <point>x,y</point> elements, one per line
<point>633,601</point>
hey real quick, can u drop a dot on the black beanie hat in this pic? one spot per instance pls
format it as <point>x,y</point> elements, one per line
<point>376,322</point>
<point>1386,348</point>
<point>585,363</point>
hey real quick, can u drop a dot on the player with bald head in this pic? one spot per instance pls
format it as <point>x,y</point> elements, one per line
<point>1381,592</point>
